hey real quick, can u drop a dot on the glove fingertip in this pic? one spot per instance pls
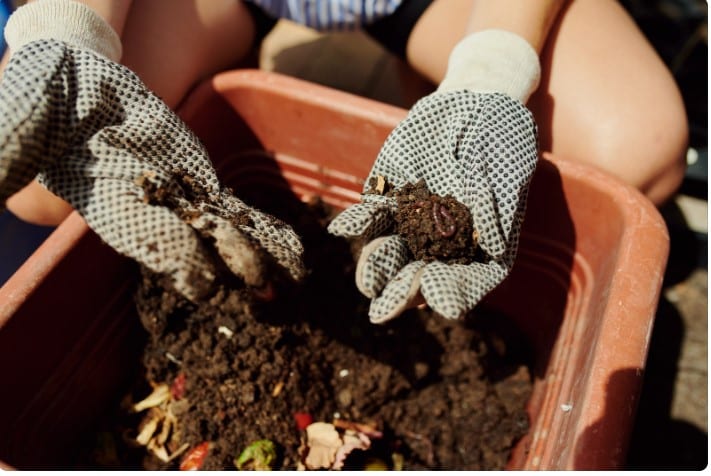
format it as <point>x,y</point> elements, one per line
<point>401,293</point>
<point>379,261</point>
<point>379,318</point>
<point>454,290</point>
<point>444,291</point>
<point>296,269</point>
<point>363,219</point>
<point>194,286</point>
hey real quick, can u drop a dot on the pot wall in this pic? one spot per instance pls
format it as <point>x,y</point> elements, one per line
<point>584,288</point>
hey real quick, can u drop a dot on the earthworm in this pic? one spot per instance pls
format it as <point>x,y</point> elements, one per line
<point>444,221</point>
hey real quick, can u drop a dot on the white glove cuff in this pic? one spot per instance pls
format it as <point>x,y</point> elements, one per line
<point>493,61</point>
<point>64,20</point>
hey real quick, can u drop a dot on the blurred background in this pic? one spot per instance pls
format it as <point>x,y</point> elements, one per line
<point>671,430</point>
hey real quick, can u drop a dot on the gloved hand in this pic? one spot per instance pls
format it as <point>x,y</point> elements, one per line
<point>473,139</point>
<point>101,140</point>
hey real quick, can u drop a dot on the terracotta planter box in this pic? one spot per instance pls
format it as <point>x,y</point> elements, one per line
<point>584,289</point>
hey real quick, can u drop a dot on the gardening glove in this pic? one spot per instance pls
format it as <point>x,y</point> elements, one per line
<point>102,141</point>
<point>473,139</point>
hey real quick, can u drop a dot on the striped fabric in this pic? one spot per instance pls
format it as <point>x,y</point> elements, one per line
<point>329,14</point>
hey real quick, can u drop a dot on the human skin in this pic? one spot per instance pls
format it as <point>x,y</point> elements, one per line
<point>605,99</point>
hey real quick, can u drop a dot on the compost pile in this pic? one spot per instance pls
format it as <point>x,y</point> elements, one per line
<point>305,381</point>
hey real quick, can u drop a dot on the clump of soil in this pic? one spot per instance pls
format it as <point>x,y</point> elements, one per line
<point>434,227</point>
<point>442,394</point>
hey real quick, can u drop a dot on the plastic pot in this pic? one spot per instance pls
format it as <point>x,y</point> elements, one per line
<point>584,289</point>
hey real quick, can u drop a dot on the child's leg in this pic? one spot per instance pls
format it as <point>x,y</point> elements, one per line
<point>172,45</point>
<point>605,98</point>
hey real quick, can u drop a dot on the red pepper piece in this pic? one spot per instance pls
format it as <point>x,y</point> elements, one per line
<point>177,389</point>
<point>195,457</point>
<point>303,420</point>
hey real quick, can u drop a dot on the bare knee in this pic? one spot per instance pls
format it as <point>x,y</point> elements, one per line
<point>607,99</point>
<point>667,166</point>
<point>649,154</point>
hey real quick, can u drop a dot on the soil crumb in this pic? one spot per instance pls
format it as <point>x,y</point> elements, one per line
<point>434,227</point>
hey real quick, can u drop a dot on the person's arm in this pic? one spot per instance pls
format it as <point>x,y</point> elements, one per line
<point>530,19</point>
<point>54,209</point>
<point>500,52</point>
<point>114,12</point>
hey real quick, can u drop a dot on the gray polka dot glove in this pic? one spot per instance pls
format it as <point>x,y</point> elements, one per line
<point>473,139</point>
<point>96,137</point>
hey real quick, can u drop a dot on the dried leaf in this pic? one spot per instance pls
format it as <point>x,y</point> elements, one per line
<point>158,450</point>
<point>351,441</point>
<point>159,429</point>
<point>368,429</point>
<point>178,452</point>
<point>327,448</point>
<point>166,429</point>
<point>380,184</point>
<point>149,425</point>
<point>160,394</point>
<point>322,443</point>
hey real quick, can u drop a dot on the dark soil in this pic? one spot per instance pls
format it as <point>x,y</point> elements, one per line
<point>434,227</point>
<point>445,395</point>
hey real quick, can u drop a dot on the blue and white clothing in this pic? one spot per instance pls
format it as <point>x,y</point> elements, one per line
<point>329,15</point>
